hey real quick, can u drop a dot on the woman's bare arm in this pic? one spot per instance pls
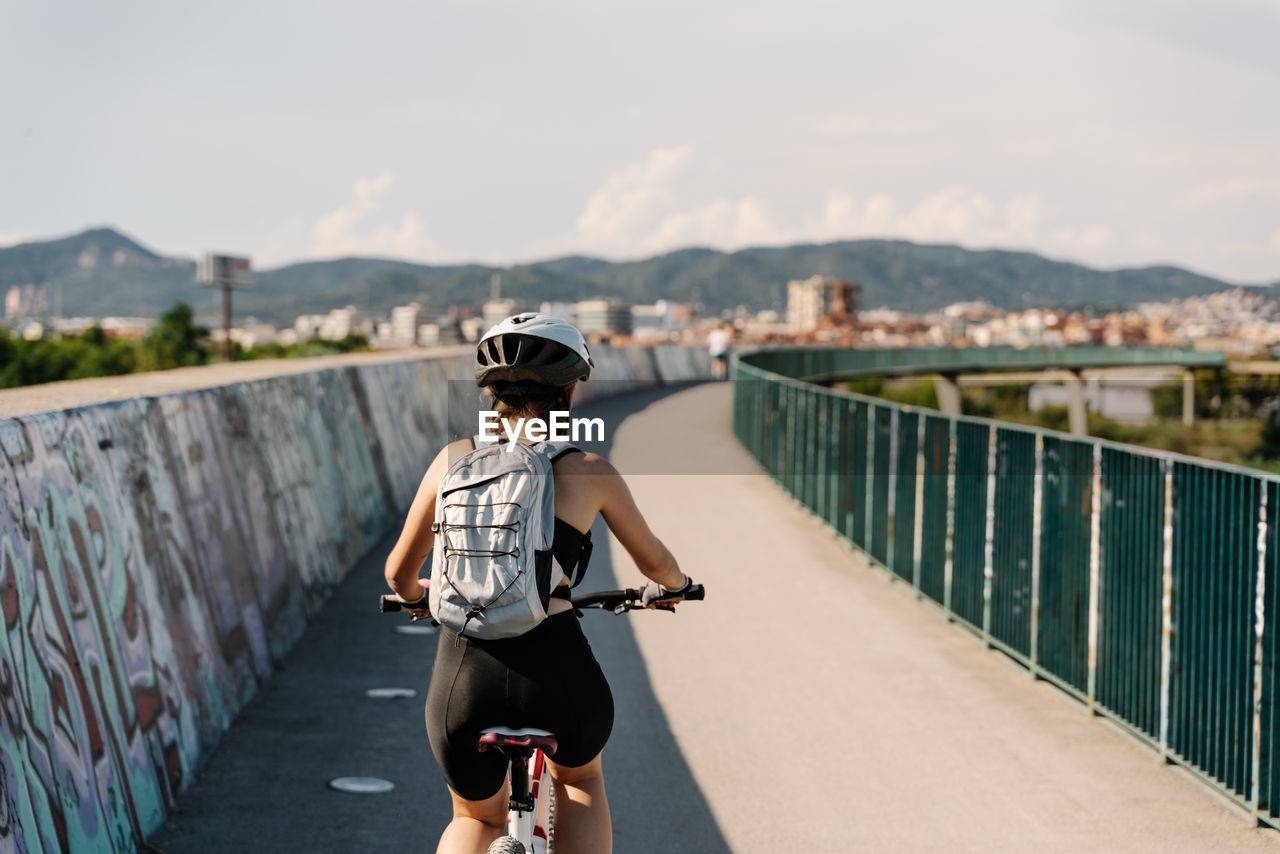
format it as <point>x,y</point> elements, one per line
<point>627,523</point>
<point>416,538</point>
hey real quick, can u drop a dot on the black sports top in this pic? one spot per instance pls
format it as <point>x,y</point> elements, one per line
<point>572,551</point>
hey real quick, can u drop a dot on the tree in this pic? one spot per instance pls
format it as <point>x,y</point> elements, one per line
<point>174,342</point>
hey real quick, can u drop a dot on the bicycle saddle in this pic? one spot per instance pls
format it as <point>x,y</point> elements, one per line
<point>504,738</point>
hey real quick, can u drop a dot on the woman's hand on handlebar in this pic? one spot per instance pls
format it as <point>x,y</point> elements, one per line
<point>654,595</point>
<point>418,607</point>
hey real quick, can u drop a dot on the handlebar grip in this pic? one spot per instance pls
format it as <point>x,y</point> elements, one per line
<point>387,604</point>
<point>695,591</point>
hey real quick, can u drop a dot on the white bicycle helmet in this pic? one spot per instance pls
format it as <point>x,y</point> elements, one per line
<point>532,347</point>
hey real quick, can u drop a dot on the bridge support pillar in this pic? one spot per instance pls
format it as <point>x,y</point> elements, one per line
<point>1188,397</point>
<point>948,393</point>
<point>1077,416</point>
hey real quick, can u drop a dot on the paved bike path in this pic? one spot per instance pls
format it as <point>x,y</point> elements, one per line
<point>821,708</point>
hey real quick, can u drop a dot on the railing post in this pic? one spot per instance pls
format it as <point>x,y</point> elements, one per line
<point>786,464</point>
<point>1166,612</point>
<point>776,425</point>
<point>796,443</point>
<point>1037,511</point>
<point>1259,626</point>
<point>815,462</point>
<point>803,445</point>
<point>1095,572</point>
<point>832,472</point>
<point>848,419</point>
<point>948,566</point>
<point>917,545</point>
<point>819,463</point>
<point>869,516</point>
<point>988,552</point>
<point>891,494</point>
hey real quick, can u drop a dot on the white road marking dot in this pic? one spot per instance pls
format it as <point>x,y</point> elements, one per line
<point>390,693</point>
<point>361,785</point>
<point>417,629</point>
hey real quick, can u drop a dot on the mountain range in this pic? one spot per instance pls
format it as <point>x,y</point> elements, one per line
<point>102,272</point>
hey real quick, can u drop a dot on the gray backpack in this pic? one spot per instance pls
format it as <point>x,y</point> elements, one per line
<point>492,570</point>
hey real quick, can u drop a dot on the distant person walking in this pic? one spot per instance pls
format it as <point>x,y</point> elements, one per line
<point>718,346</point>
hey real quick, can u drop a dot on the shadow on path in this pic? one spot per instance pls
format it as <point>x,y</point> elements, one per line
<point>264,788</point>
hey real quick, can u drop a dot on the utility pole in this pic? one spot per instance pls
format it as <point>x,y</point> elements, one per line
<point>228,273</point>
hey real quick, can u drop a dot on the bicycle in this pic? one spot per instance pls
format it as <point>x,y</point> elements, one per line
<point>531,804</point>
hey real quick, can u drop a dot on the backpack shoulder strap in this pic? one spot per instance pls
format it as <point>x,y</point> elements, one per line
<point>555,450</point>
<point>576,572</point>
<point>551,450</point>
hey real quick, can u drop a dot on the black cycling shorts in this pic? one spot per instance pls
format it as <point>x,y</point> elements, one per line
<point>547,678</point>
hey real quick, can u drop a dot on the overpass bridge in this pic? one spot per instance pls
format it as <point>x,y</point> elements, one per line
<point>811,704</point>
<point>952,367</point>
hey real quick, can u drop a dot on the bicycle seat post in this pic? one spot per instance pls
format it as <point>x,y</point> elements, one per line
<point>517,746</point>
<point>521,798</point>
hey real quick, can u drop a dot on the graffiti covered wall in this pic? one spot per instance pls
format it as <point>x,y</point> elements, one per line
<point>159,555</point>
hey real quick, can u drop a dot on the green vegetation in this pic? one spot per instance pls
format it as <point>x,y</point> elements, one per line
<point>68,358</point>
<point>352,343</point>
<point>907,392</point>
<point>174,342</point>
<point>102,272</point>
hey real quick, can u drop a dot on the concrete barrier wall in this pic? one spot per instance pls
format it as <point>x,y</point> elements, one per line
<point>159,555</point>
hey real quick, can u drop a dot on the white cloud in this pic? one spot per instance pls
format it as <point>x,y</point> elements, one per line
<point>639,211</point>
<point>616,214</point>
<point>342,231</point>
<point>843,216</point>
<point>722,223</point>
<point>953,215</point>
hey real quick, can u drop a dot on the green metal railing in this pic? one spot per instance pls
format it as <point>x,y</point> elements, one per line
<point>1144,583</point>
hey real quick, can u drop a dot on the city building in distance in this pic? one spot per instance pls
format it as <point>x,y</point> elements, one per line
<point>821,301</point>
<point>406,320</point>
<point>602,318</point>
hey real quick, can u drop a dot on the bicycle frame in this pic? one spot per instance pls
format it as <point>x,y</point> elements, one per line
<point>530,814</point>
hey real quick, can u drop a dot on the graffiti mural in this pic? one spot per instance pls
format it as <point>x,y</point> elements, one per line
<point>159,556</point>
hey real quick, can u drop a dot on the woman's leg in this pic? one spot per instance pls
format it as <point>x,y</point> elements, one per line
<point>475,824</point>
<point>583,825</point>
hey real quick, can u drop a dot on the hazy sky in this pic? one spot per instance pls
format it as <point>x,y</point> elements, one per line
<point>1114,133</point>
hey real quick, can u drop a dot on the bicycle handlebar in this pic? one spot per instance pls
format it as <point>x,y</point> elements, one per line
<point>618,601</point>
<point>389,603</point>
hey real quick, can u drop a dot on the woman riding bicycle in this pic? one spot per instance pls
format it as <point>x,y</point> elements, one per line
<point>548,676</point>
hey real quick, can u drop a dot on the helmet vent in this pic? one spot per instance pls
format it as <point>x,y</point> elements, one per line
<point>534,348</point>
